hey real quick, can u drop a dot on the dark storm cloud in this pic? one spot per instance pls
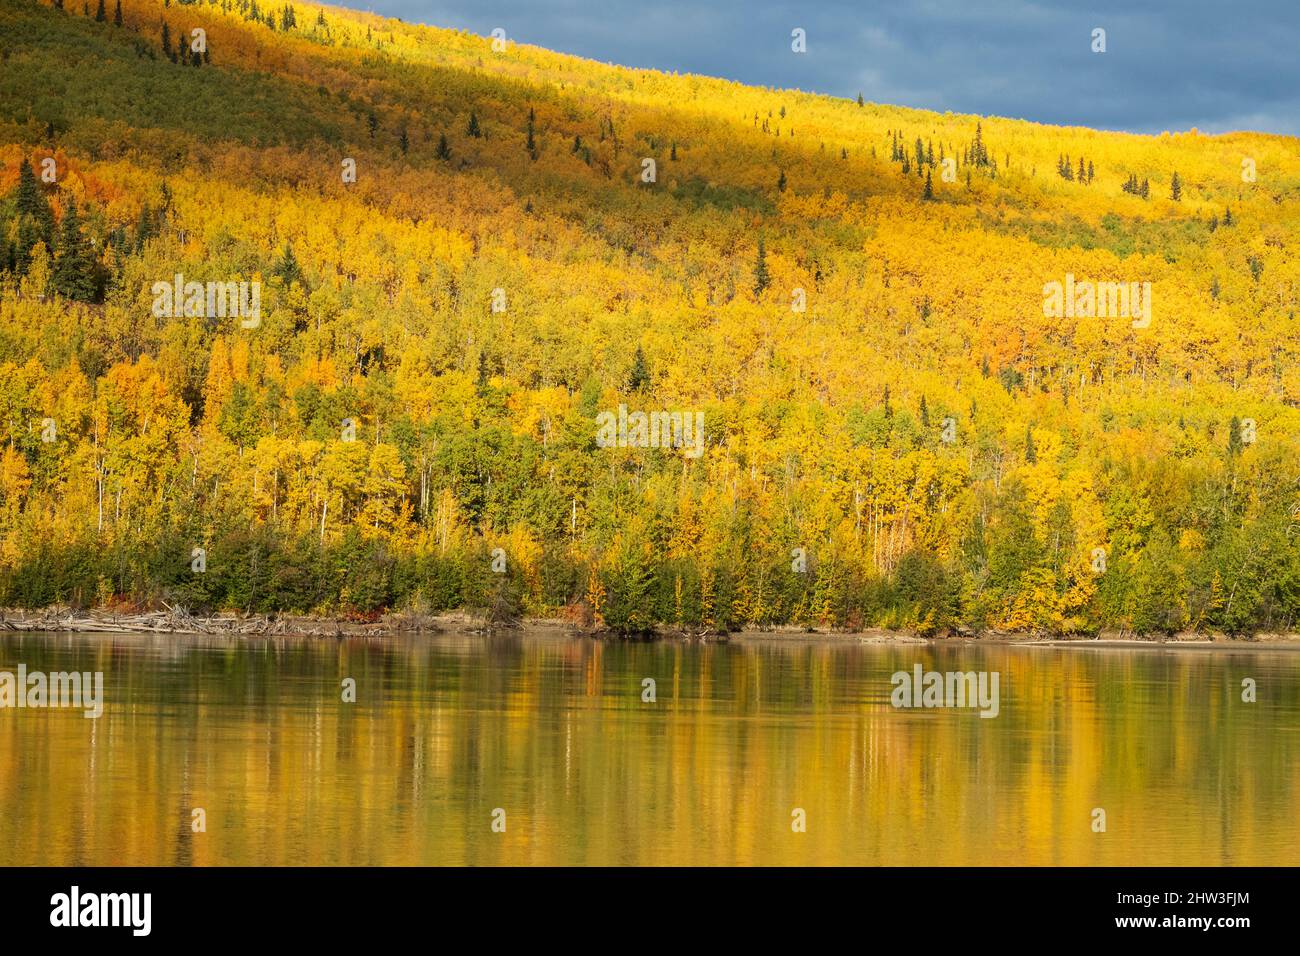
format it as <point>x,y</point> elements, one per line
<point>1169,64</point>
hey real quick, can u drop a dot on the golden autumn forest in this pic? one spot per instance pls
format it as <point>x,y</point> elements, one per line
<point>468,251</point>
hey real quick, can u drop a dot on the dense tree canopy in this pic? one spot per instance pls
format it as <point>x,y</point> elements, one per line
<point>896,430</point>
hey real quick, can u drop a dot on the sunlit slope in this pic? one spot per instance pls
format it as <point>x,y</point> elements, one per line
<point>481,290</point>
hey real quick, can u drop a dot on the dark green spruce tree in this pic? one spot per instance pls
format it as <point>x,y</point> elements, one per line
<point>288,269</point>
<point>74,267</point>
<point>639,378</point>
<point>35,218</point>
<point>761,277</point>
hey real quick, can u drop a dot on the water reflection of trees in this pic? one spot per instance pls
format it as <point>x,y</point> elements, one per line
<point>554,730</point>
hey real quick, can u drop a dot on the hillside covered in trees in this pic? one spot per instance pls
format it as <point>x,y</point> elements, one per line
<point>467,250</point>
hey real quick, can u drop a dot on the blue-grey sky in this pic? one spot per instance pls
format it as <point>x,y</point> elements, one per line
<point>1169,64</point>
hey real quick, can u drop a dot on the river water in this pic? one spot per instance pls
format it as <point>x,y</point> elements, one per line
<point>541,748</point>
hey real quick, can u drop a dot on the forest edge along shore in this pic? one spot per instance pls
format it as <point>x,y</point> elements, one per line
<point>178,621</point>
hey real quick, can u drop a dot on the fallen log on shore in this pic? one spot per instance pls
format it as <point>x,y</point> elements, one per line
<point>181,621</point>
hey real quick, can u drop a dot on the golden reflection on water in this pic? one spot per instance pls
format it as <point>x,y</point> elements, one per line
<point>553,730</point>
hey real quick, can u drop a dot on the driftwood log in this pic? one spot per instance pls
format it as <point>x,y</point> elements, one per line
<point>180,621</point>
